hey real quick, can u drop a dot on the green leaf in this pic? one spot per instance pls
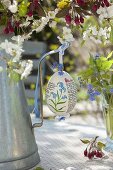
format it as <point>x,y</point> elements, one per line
<point>106,65</point>
<point>105,76</point>
<point>110,55</point>
<point>40,11</point>
<point>91,60</point>
<point>14,76</point>
<point>39,168</point>
<point>82,43</point>
<point>86,73</point>
<point>85,141</point>
<point>100,145</point>
<point>62,13</point>
<point>22,10</point>
<point>102,58</point>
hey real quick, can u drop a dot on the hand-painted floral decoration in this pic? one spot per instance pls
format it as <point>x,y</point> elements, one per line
<point>62,98</point>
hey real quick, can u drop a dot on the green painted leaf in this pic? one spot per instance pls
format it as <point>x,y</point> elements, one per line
<point>52,101</point>
<point>56,109</point>
<point>61,102</point>
<point>52,107</point>
<point>85,141</point>
<point>62,108</point>
<point>58,95</point>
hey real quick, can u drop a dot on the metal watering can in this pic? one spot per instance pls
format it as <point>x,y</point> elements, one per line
<point>18,149</point>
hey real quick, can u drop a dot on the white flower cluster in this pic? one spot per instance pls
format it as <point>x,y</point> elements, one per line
<point>12,7</point>
<point>66,36</point>
<point>105,12</point>
<point>96,34</point>
<point>38,25</point>
<point>14,49</point>
<point>6,3</point>
<point>25,68</point>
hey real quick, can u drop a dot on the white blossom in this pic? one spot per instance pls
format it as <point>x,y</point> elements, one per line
<point>96,41</point>
<point>52,24</point>
<point>38,25</point>
<point>27,70</point>
<point>60,39</point>
<point>94,34</point>
<point>103,13</point>
<point>7,3</point>
<point>13,7</point>
<point>110,11</point>
<point>86,34</point>
<point>52,14</point>
<point>13,49</point>
<point>94,30</point>
<point>25,24</point>
<point>67,35</point>
<point>19,39</point>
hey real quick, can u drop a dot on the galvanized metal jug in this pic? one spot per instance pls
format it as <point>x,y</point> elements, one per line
<point>18,149</point>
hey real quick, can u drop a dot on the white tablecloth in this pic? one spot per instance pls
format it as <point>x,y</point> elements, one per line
<point>60,147</point>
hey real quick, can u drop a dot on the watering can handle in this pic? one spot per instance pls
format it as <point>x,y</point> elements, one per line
<point>39,83</point>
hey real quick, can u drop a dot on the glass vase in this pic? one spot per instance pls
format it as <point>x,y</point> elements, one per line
<point>108,118</point>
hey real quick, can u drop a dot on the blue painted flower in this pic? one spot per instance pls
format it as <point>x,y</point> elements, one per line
<point>64,97</point>
<point>61,85</point>
<point>111,90</point>
<point>54,95</point>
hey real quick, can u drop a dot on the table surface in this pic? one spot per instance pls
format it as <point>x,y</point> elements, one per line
<point>60,147</point>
